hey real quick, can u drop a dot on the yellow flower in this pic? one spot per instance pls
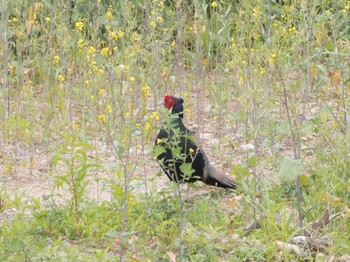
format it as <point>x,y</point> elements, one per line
<point>109,15</point>
<point>113,35</point>
<point>159,141</point>
<point>105,52</point>
<point>13,20</point>
<point>91,50</point>
<point>160,19</point>
<point>134,37</point>
<point>80,42</point>
<point>101,92</point>
<point>132,79</point>
<point>146,90</point>
<point>214,4</point>
<point>109,108</point>
<point>173,43</point>
<point>155,116</point>
<point>120,33</point>
<point>147,126</point>
<point>256,12</point>
<point>100,71</point>
<point>60,78</point>
<point>152,24</point>
<point>56,60</point>
<point>101,118</point>
<point>47,19</point>
<point>191,150</point>
<point>292,29</point>
<point>79,25</point>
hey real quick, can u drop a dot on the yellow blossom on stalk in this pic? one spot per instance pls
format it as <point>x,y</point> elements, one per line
<point>120,33</point>
<point>91,50</point>
<point>113,35</point>
<point>272,58</point>
<point>155,116</point>
<point>105,52</point>
<point>161,4</point>
<point>146,90</point>
<point>56,60</point>
<point>292,29</point>
<point>109,108</point>
<point>80,42</point>
<point>147,127</point>
<point>101,92</point>
<point>101,118</point>
<point>160,19</point>
<point>159,140</point>
<point>109,15</point>
<point>132,79</point>
<point>152,24</point>
<point>134,37</point>
<point>60,78</point>
<point>214,4</point>
<point>262,71</point>
<point>47,19</point>
<point>173,43</point>
<point>87,82</point>
<point>13,20</point>
<point>79,25</point>
<point>256,12</point>
<point>100,71</point>
<point>191,150</point>
<point>69,70</point>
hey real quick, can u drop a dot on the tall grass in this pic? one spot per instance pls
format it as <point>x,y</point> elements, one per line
<point>80,86</point>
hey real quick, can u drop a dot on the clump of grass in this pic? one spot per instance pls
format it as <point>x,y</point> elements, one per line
<point>80,84</point>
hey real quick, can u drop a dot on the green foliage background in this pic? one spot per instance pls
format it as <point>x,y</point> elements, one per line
<point>80,75</point>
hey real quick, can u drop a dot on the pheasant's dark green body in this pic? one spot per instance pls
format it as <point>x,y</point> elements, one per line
<point>180,157</point>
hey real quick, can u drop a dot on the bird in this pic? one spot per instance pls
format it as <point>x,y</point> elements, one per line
<point>178,153</point>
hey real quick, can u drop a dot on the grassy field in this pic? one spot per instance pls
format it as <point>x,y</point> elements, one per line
<point>266,90</point>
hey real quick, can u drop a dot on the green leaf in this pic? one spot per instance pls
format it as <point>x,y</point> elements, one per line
<point>186,168</point>
<point>119,149</point>
<point>158,150</point>
<point>290,169</point>
<point>305,180</point>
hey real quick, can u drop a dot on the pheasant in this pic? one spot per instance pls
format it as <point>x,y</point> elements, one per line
<point>179,155</point>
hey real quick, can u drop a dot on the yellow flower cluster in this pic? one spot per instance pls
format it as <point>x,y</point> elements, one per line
<point>60,78</point>
<point>109,15</point>
<point>102,118</point>
<point>105,52</point>
<point>256,12</point>
<point>13,20</point>
<point>101,92</point>
<point>272,58</point>
<point>155,116</point>
<point>56,60</point>
<point>79,25</point>
<point>292,29</point>
<point>146,91</point>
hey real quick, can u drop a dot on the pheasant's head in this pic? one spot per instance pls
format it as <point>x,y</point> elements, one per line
<point>174,104</point>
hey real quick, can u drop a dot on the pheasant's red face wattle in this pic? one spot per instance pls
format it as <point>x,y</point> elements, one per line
<point>169,102</point>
